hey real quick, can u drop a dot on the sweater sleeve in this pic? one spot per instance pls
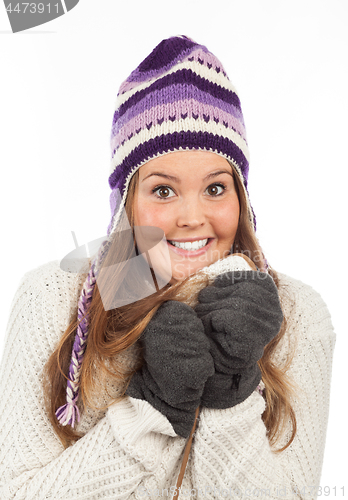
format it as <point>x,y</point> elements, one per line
<point>130,445</point>
<point>232,456</point>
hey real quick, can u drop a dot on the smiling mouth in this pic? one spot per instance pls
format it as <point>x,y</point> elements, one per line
<point>190,245</point>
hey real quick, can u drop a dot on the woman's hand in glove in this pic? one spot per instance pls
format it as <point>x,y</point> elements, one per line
<point>177,364</point>
<point>241,314</point>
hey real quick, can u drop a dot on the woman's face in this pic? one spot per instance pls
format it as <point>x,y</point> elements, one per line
<point>191,196</point>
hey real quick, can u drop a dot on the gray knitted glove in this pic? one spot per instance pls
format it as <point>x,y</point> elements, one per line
<point>241,314</point>
<point>177,364</point>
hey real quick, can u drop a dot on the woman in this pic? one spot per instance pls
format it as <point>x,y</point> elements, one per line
<point>214,333</point>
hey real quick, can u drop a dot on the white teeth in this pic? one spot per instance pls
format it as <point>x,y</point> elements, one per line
<point>190,245</point>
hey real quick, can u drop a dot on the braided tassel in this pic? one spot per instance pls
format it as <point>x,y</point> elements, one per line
<point>69,413</point>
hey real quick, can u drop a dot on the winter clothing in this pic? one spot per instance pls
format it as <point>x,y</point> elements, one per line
<point>177,365</point>
<point>131,449</point>
<point>241,314</point>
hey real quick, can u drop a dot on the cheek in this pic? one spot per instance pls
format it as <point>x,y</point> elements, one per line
<point>148,214</point>
<point>227,218</point>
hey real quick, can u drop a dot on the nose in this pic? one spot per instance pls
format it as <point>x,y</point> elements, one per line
<point>191,213</point>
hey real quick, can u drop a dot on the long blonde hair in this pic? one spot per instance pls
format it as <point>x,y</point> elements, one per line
<point>115,331</point>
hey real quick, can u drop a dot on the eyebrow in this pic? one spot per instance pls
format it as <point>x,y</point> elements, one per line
<point>175,179</point>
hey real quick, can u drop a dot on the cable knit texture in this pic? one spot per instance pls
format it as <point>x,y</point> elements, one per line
<point>131,450</point>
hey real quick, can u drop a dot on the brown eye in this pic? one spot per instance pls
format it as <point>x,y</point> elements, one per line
<point>213,188</point>
<point>162,192</point>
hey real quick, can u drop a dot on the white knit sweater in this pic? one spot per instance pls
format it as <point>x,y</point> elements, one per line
<point>131,450</point>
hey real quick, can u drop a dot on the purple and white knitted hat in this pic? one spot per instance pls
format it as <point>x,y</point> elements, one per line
<point>179,98</point>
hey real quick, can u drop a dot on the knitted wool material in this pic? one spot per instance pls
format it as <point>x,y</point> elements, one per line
<point>241,314</point>
<point>177,365</point>
<point>179,98</point>
<point>130,450</point>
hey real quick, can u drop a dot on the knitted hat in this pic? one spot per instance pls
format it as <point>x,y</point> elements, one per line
<point>179,98</point>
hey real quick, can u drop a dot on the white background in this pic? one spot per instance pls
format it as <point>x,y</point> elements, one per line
<point>288,61</point>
